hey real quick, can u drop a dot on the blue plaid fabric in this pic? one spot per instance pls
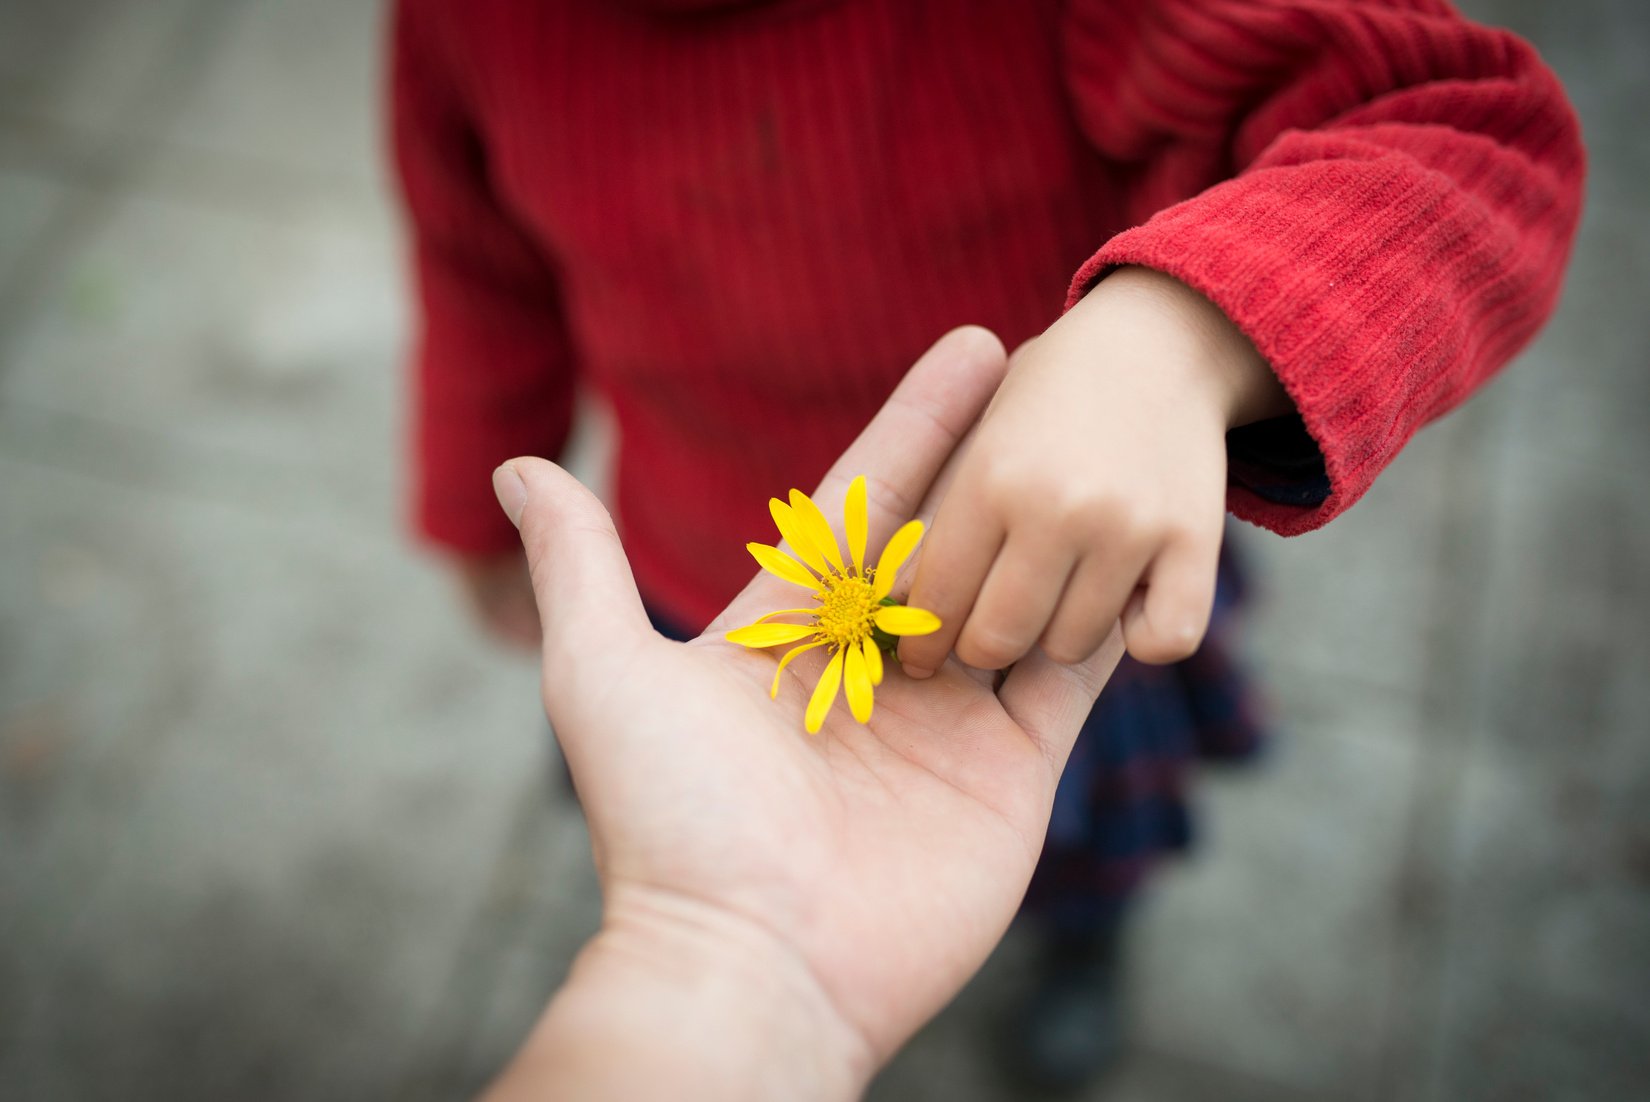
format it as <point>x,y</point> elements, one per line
<point>1122,804</point>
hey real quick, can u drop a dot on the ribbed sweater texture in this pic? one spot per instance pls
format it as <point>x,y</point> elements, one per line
<point>741,224</point>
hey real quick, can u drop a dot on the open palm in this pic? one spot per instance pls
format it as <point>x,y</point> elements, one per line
<point>887,857</point>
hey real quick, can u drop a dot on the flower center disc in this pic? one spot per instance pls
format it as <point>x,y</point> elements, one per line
<point>845,611</point>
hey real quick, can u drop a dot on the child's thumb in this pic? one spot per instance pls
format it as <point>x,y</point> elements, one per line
<point>588,604</point>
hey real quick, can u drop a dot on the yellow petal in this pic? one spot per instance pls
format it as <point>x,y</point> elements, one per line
<point>873,661</point>
<point>781,565</point>
<point>854,514</point>
<point>770,635</point>
<point>786,661</point>
<point>816,528</point>
<point>899,548</point>
<point>857,680</point>
<point>824,694</point>
<point>785,520</point>
<point>904,620</point>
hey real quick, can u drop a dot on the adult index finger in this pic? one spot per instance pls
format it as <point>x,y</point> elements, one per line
<point>901,452</point>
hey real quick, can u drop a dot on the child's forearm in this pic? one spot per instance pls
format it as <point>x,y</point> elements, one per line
<point>1388,214</point>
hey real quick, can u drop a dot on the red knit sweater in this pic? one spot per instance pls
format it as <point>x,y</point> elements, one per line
<point>742,223</point>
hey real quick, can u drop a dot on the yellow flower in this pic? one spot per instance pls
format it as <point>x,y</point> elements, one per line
<point>853,607</point>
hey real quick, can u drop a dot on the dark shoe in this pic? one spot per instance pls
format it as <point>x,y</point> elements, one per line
<point>1069,1030</point>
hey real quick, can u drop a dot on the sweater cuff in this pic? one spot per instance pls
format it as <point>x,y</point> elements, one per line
<point>1336,323</point>
<point>1277,461</point>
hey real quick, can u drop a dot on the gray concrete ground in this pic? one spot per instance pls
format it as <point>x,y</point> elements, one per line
<point>274,823</point>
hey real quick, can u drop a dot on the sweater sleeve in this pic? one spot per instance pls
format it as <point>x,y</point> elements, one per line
<point>1381,195</point>
<point>493,364</point>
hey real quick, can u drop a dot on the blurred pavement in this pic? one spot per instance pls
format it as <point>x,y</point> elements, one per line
<point>274,823</point>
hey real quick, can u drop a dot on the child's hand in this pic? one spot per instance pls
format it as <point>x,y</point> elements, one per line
<point>500,595</point>
<point>1096,484</point>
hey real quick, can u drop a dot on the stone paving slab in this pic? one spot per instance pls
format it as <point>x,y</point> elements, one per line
<point>247,826</point>
<point>27,204</point>
<point>82,66</point>
<point>297,84</point>
<point>1271,952</point>
<point>223,333</point>
<point>1549,949</point>
<point>1349,601</point>
<point>1547,943</point>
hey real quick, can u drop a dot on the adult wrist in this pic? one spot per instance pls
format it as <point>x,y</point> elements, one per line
<point>675,998</point>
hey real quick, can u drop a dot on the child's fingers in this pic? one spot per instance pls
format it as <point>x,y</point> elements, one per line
<point>1167,621</point>
<point>1016,602</point>
<point>1088,610</point>
<point>1099,587</point>
<point>956,556</point>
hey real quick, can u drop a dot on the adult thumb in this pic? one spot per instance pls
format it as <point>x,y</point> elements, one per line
<point>586,595</point>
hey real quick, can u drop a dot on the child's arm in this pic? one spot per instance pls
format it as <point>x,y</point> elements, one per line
<point>1379,196</point>
<point>1100,466</point>
<point>493,365</point>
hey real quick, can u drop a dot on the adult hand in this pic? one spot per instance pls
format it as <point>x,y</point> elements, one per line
<point>780,912</point>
